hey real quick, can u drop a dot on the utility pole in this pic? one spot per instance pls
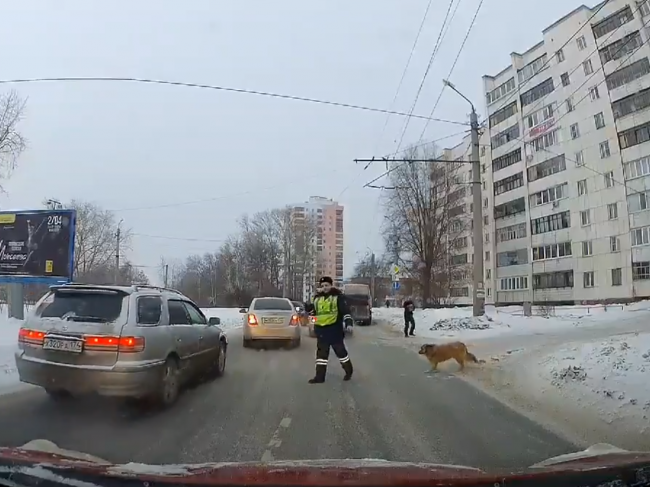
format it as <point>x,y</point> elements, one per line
<point>478,286</point>
<point>166,274</point>
<point>118,237</point>
<point>477,217</point>
<point>373,274</point>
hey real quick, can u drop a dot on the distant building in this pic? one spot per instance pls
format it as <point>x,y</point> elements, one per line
<point>326,215</point>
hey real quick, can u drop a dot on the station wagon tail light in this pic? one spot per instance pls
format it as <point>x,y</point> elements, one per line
<point>295,320</point>
<point>252,320</point>
<point>25,335</point>
<point>113,343</point>
<point>313,319</point>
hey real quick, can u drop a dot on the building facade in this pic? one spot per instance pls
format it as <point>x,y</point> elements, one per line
<point>326,216</point>
<point>568,140</point>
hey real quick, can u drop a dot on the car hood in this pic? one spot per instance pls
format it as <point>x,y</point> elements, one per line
<point>43,459</point>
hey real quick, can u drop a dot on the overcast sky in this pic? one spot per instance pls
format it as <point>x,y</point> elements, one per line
<point>150,152</point>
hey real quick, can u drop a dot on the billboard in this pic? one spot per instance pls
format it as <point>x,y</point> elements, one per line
<point>37,245</point>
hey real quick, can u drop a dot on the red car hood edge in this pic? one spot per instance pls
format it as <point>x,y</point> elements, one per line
<point>310,472</point>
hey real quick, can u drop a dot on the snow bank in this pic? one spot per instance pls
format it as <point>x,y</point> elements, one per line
<point>458,323</point>
<point>8,345</point>
<point>609,377</point>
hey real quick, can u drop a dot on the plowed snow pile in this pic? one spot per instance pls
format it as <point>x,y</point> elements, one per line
<point>463,323</point>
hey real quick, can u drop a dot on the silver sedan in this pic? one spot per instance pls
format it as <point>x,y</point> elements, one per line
<point>271,319</point>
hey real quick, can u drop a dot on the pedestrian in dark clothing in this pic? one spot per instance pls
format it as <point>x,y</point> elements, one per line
<point>331,311</point>
<point>408,318</point>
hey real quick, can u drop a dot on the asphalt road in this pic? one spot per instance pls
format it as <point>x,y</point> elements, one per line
<point>263,409</point>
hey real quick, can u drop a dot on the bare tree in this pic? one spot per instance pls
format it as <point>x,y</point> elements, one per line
<point>95,241</point>
<point>12,142</point>
<point>423,214</point>
<point>364,266</point>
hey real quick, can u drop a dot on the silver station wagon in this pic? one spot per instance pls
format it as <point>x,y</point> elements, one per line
<point>141,342</point>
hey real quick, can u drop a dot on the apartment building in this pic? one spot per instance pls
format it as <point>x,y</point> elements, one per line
<point>327,216</point>
<point>460,207</point>
<point>569,143</point>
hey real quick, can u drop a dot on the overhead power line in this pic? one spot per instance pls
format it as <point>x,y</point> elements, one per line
<point>222,88</point>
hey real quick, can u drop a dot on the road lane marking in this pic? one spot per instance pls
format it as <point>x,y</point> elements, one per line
<point>275,440</point>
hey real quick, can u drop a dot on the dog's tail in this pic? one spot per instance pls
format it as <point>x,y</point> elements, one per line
<point>472,357</point>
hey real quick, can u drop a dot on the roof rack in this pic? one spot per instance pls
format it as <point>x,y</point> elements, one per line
<point>157,288</point>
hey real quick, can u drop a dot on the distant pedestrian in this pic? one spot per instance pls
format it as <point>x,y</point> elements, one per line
<point>409,321</point>
<point>388,303</point>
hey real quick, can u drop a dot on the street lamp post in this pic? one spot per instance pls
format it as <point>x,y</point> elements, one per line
<point>478,286</point>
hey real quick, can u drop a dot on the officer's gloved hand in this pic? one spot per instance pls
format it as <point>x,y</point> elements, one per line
<point>348,321</point>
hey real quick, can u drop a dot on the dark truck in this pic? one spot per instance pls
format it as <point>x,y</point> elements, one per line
<point>360,303</point>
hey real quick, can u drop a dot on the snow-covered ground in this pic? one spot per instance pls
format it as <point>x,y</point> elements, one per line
<point>230,319</point>
<point>458,323</point>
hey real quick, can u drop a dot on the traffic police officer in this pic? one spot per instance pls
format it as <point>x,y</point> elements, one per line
<point>330,310</point>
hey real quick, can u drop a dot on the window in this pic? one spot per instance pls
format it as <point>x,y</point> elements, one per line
<point>532,68</point>
<point>640,271</point>
<point>487,238</point>
<point>611,23</point>
<point>593,93</point>
<point>587,248</point>
<point>551,166</point>
<point>587,67</point>
<point>514,257</point>
<point>552,251</point>
<point>511,133</point>
<point>487,256</point>
<point>459,243</point>
<point>537,92</point>
<point>614,244</point>
<point>604,150</point>
<point>609,179</point>
<point>581,42</point>
<point>638,202</point>
<point>550,223</point>
<point>500,91</point>
<point>503,114</point>
<point>196,316</point>
<point>588,279</point>
<point>553,280</point>
<point>95,307</point>
<point>564,77</point>
<point>643,7</point>
<point>617,277</point>
<point>508,184</point>
<point>628,74</point>
<point>177,313</point>
<point>514,283</point>
<point>575,131</point>
<point>265,304</point>
<point>569,104</point>
<point>512,232</point>
<point>488,273</point>
<point>634,136</point>
<point>580,160</point>
<point>599,120</point>
<point>559,55</point>
<point>631,104</point>
<point>459,292</point>
<point>455,211</point>
<point>554,193</point>
<point>540,116</point>
<point>621,47</point>
<point>486,219</point>
<point>546,140</point>
<point>640,236</point>
<point>636,169</point>
<point>459,259</point>
<point>612,211</point>
<point>149,310</point>
<point>582,187</point>
<point>585,218</point>
<point>510,208</point>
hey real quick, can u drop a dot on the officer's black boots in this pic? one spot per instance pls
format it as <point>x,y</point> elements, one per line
<point>347,367</point>
<point>319,378</point>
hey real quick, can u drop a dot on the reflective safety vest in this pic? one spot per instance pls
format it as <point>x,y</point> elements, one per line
<point>326,309</point>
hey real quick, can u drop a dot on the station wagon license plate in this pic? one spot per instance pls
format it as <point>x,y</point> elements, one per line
<point>273,321</point>
<point>62,345</point>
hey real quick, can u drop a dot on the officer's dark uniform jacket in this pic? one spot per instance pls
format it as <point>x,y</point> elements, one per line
<point>330,310</point>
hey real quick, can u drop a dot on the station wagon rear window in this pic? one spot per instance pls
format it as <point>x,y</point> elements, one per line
<point>82,306</point>
<point>272,304</point>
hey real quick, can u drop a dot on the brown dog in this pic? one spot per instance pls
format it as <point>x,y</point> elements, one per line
<point>436,354</point>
